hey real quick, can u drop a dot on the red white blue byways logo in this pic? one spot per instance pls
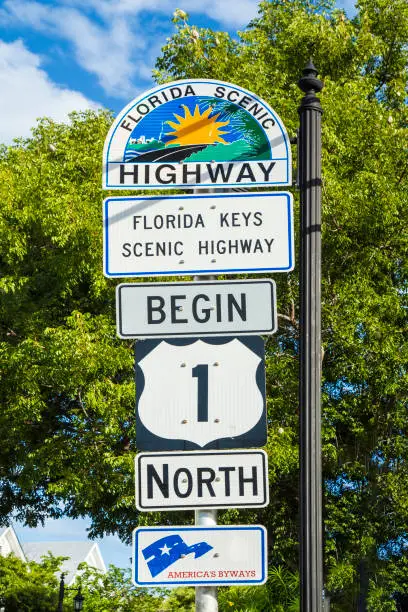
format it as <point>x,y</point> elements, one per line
<point>218,555</point>
<point>196,133</point>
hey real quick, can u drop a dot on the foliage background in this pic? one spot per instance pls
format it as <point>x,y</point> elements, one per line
<point>67,389</point>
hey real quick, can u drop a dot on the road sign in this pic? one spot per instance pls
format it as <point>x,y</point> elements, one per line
<point>196,556</point>
<point>166,310</point>
<point>201,479</point>
<point>198,234</point>
<point>200,393</point>
<point>196,133</point>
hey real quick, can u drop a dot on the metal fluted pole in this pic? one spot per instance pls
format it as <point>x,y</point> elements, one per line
<point>309,159</point>
<point>206,597</point>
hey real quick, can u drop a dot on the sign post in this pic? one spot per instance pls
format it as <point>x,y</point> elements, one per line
<point>206,597</point>
<point>311,536</point>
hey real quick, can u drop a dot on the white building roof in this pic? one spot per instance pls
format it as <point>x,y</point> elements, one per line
<point>78,552</point>
<point>9,543</point>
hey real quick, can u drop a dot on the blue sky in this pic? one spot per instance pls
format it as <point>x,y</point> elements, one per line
<point>62,55</point>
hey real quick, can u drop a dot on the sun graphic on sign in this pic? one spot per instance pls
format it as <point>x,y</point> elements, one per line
<point>196,128</point>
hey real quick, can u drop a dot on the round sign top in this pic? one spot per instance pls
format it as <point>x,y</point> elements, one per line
<point>196,133</point>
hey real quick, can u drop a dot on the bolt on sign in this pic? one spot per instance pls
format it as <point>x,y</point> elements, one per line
<point>200,393</point>
<point>196,133</point>
<point>194,556</point>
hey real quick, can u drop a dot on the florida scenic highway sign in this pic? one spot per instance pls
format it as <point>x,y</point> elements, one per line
<point>205,308</point>
<point>198,234</point>
<point>201,479</point>
<point>196,133</point>
<point>194,556</point>
<point>200,393</point>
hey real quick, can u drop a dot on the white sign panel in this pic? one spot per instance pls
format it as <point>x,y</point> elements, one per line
<point>196,133</point>
<point>208,479</point>
<point>200,393</point>
<point>198,234</point>
<point>194,556</point>
<point>148,310</point>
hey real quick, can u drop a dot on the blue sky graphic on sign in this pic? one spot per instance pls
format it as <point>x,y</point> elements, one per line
<point>166,551</point>
<point>202,128</point>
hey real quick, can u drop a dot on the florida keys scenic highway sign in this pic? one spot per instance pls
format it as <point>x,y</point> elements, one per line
<point>198,234</point>
<point>196,133</point>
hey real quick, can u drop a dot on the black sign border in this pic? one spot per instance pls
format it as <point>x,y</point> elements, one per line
<point>254,438</point>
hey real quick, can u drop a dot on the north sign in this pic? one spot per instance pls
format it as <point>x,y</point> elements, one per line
<point>206,308</point>
<point>198,556</point>
<point>206,479</point>
<point>195,394</point>
<point>196,133</point>
<point>198,234</point>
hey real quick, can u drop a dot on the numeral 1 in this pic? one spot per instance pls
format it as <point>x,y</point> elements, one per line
<point>201,373</point>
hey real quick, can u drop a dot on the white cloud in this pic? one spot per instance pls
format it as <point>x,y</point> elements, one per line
<point>113,45</point>
<point>105,52</point>
<point>243,10</point>
<point>28,93</point>
<point>106,49</point>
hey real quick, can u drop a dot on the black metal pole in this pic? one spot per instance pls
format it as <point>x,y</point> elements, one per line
<point>61,594</point>
<point>309,159</point>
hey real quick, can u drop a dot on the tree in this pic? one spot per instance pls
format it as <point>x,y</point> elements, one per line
<point>182,598</point>
<point>28,587</point>
<point>67,390</point>
<point>67,386</point>
<point>115,591</point>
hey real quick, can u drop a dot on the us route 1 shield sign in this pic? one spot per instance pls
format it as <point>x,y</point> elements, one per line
<point>201,393</point>
<point>194,556</point>
<point>201,479</point>
<point>198,234</point>
<point>196,133</point>
<point>168,310</point>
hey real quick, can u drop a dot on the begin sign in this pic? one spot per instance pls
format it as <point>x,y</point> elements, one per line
<point>149,310</point>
